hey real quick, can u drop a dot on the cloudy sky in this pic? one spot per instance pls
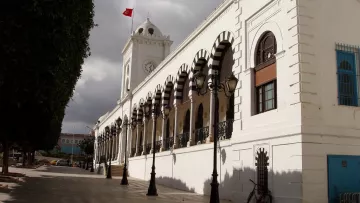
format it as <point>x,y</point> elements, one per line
<point>99,87</point>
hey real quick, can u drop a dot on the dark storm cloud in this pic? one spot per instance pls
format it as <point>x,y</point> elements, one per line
<point>99,88</point>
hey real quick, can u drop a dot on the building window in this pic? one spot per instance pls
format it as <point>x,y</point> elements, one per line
<point>63,140</point>
<point>67,141</point>
<point>266,96</point>
<point>76,141</point>
<point>347,59</point>
<point>265,73</point>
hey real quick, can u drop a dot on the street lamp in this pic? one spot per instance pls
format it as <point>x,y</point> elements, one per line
<point>108,132</point>
<point>215,86</point>
<point>124,180</point>
<point>152,191</point>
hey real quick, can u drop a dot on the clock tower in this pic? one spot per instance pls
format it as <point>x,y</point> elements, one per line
<point>143,52</point>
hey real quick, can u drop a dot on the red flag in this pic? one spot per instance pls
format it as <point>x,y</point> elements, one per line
<point>128,12</point>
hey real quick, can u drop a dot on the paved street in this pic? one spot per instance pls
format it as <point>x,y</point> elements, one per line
<point>64,185</point>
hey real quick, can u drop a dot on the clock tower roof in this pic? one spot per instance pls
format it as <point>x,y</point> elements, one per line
<point>148,28</point>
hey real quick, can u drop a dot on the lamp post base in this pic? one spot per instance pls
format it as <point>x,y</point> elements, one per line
<point>152,191</point>
<point>108,175</point>
<point>214,197</point>
<point>124,180</point>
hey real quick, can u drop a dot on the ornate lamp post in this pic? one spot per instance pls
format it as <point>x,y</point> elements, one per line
<point>124,180</point>
<point>152,191</point>
<point>215,86</point>
<point>108,132</point>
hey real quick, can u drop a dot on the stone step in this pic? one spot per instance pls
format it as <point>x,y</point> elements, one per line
<point>117,170</point>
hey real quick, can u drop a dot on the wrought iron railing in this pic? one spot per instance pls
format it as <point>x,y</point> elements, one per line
<point>201,134</point>
<point>351,197</point>
<point>158,146</point>
<point>183,139</point>
<point>225,129</point>
<point>141,147</point>
<point>133,150</point>
<point>169,143</point>
<point>148,148</point>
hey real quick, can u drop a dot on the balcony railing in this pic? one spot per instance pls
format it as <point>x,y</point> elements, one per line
<point>183,139</point>
<point>158,146</point>
<point>169,143</point>
<point>148,148</point>
<point>201,134</point>
<point>133,150</point>
<point>225,129</point>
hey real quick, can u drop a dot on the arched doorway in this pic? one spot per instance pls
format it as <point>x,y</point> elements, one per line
<point>186,130</point>
<point>199,125</point>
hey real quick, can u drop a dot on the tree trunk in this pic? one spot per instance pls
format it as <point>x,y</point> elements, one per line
<point>29,159</point>
<point>5,167</point>
<point>33,156</point>
<point>24,158</point>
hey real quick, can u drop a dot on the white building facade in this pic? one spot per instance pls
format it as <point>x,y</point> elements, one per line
<point>292,123</point>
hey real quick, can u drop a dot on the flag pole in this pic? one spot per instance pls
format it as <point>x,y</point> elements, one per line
<point>132,21</point>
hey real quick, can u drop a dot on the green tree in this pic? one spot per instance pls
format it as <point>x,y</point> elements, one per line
<point>43,46</point>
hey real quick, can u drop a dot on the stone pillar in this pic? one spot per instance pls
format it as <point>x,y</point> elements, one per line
<point>191,133</point>
<point>144,136</point>
<point>212,118</point>
<point>175,126</point>
<point>163,134</point>
<point>138,130</point>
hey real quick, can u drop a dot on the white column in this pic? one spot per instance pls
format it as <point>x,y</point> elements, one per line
<point>175,126</point>
<point>163,135</point>
<point>138,129</point>
<point>212,116</point>
<point>191,134</point>
<point>144,136</point>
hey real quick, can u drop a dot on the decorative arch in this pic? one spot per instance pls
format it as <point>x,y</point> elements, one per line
<point>268,26</point>
<point>157,94</point>
<point>141,102</point>
<point>182,75</point>
<point>201,58</point>
<point>134,112</point>
<point>168,87</point>
<point>149,98</point>
<point>140,113</point>
<point>223,41</point>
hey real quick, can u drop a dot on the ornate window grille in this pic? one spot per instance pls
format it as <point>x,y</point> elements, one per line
<point>348,72</point>
<point>262,163</point>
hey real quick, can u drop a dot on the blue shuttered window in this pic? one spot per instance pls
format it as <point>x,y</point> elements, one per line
<point>347,69</point>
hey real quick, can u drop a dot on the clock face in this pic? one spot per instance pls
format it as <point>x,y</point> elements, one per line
<point>148,66</point>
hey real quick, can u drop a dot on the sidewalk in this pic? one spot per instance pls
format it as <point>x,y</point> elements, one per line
<point>66,184</point>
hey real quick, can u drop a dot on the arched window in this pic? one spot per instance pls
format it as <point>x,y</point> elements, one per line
<point>265,73</point>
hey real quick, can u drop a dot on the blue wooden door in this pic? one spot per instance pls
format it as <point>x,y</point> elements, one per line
<point>343,175</point>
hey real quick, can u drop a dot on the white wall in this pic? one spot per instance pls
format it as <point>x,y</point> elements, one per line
<point>327,127</point>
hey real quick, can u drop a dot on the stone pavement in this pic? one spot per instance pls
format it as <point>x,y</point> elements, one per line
<point>53,184</point>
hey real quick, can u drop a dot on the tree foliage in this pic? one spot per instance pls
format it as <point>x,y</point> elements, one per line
<point>87,145</point>
<point>43,46</point>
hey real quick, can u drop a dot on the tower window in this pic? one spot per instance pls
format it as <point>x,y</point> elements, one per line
<point>141,30</point>
<point>151,31</point>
